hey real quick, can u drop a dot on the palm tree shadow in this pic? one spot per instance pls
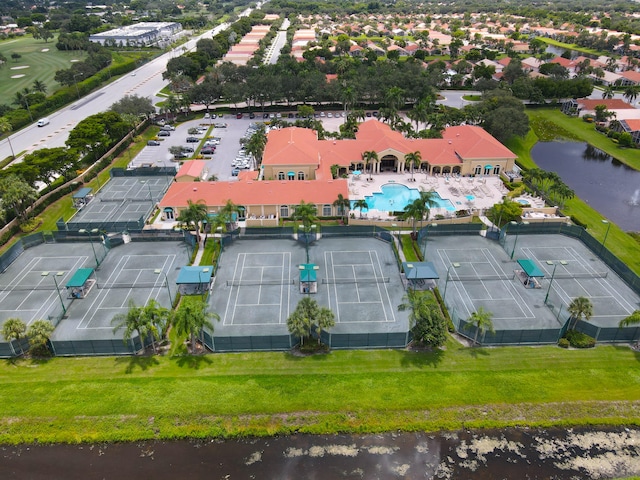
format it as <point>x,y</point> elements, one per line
<point>141,362</point>
<point>422,359</point>
<point>476,352</point>
<point>196,362</point>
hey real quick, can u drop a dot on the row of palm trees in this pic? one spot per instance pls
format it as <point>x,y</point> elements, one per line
<point>369,157</point>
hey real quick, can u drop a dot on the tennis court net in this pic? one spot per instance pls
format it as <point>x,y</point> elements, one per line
<point>480,278</point>
<point>248,283</point>
<point>26,288</point>
<point>346,281</point>
<point>128,199</point>
<point>107,286</point>
<point>582,275</point>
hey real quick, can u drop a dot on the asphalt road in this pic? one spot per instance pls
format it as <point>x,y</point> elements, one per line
<point>146,81</point>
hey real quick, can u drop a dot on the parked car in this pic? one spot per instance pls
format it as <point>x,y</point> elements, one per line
<point>208,150</point>
<point>239,116</point>
<point>252,115</point>
<point>368,114</point>
<point>235,172</point>
<point>265,115</point>
<point>187,149</point>
<point>206,115</point>
<point>375,114</point>
<point>220,125</point>
<point>153,143</point>
<point>164,133</point>
<point>180,155</point>
<point>193,139</point>
<point>168,128</point>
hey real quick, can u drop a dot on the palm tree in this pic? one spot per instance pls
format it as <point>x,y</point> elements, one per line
<point>133,321</point>
<point>426,320</point>
<point>39,333</point>
<point>415,211</point>
<point>193,216</point>
<point>580,308</point>
<point>228,211</point>
<point>342,205</point>
<point>633,319</point>
<point>481,319</point>
<point>360,204</point>
<point>309,315</point>
<point>305,213</point>
<point>414,159</point>
<point>608,92</point>
<point>257,143</point>
<point>156,319</point>
<point>191,318</point>
<point>39,86</point>
<point>14,329</point>
<point>429,200</point>
<point>5,126</point>
<point>631,93</point>
<point>368,158</point>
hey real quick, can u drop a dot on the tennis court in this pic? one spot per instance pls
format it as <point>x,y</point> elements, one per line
<point>28,286</point>
<point>122,199</point>
<point>257,285</point>
<point>476,272</point>
<point>134,271</point>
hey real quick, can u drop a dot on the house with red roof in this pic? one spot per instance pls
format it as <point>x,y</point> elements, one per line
<point>631,126</point>
<point>297,166</point>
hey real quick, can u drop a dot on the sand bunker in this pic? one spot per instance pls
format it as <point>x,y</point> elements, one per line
<point>18,76</point>
<point>74,60</point>
<point>20,67</point>
<point>44,50</point>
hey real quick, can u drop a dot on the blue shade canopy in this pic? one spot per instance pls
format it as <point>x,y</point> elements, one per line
<point>190,275</point>
<point>420,271</point>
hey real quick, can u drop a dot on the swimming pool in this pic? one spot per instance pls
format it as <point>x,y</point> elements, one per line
<point>394,197</point>
<point>522,201</point>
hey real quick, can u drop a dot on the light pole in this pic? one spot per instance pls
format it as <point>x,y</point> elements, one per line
<point>550,282</point>
<point>75,82</point>
<point>93,248</point>
<point>57,274</point>
<point>606,233</point>
<point>515,242</point>
<point>158,271</point>
<point>446,283</point>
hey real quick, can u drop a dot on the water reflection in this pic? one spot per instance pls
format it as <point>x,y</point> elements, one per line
<point>607,185</point>
<point>508,454</point>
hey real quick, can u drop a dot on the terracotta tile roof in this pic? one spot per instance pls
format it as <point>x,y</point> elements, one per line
<point>287,144</point>
<point>255,193</point>
<point>192,168</point>
<point>631,75</point>
<point>610,103</point>
<point>475,142</point>
<point>633,124</point>
<point>562,61</point>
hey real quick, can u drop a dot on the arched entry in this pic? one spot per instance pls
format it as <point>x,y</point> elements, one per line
<point>389,163</point>
<point>168,214</point>
<point>456,170</point>
<point>446,170</point>
<point>436,170</point>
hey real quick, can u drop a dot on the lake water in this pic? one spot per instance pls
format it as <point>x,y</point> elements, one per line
<point>501,454</point>
<point>609,186</point>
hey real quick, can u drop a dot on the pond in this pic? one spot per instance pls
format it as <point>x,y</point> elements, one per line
<point>610,187</point>
<point>493,454</point>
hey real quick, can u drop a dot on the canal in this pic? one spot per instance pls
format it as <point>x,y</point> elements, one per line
<point>610,187</point>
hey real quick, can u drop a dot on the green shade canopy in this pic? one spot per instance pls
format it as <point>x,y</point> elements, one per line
<point>195,275</point>
<point>420,271</point>
<point>82,193</point>
<point>79,278</point>
<point>530,268</point>
<point>308,272</point>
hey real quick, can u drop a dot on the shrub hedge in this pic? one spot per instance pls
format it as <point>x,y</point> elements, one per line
<point>579,340</point>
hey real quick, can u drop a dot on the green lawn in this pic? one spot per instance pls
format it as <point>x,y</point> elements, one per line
<point>548,124</point>
<point>112,399</point>
<point>42,65</point>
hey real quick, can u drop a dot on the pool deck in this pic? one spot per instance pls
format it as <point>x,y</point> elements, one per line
<point>486,190</point>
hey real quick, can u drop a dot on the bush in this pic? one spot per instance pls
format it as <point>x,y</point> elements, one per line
<point>563,343</point>
<point>579,340</point>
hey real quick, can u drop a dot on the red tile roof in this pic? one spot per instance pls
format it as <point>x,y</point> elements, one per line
<point>633,123</point>
<point>631,75</point>
<point>192,168</point>
<point>255,193</point>
<point>610,103</point>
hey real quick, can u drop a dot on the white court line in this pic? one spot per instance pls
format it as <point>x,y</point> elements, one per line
<point>384,286</point>
<point>259,305</point>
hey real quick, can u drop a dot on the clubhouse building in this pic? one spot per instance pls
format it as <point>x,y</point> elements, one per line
<point>297,166</point>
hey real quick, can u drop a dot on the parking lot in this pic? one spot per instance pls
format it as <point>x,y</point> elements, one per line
<point>227,156</point>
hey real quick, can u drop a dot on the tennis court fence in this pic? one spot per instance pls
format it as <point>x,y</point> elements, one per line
<point>247,283</point>
<point>349,281</point>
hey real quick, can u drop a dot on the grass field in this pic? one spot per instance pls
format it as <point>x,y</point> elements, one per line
<point>547,124</point>
<point>42,65</point>
<point>113,399</point>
